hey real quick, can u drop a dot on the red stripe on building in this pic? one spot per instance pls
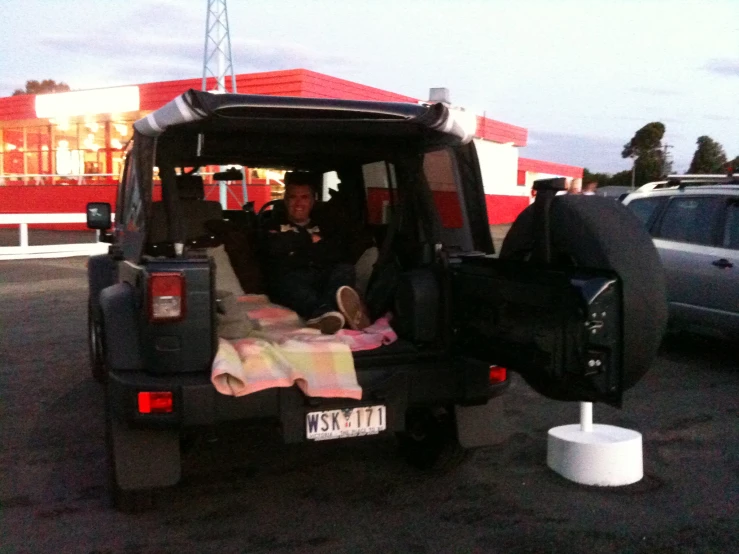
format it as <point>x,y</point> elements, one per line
<point>18,107</point>
<point>538,166</point>
<point>504,209</point>
<point>498,131</point>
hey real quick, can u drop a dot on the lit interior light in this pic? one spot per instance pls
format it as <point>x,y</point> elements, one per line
<point>93,126</point>
<point>115,143</point>
<point>45,148</point>
<point>62,105</point>
<point>122,129</point>
<point>90,143</point>
<point>63,145</point>
<point>10,147</point>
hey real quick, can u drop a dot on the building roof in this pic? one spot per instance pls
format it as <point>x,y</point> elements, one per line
<point>292,82</point>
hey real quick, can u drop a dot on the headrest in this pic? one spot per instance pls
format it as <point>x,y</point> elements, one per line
<point>190,187</point>
<point>314,180</point>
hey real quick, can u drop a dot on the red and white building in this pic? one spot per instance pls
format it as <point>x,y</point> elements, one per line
<point>60,151</point>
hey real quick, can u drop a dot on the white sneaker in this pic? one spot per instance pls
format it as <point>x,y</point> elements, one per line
<point>353,308</point>
<point>329,323</point>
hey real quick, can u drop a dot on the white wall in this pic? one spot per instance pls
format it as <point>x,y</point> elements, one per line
<point>499,168</point>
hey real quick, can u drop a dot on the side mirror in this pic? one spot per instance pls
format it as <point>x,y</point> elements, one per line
<point>98,215</point>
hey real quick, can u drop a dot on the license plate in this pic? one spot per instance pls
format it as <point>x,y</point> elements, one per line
<point>350,422</point>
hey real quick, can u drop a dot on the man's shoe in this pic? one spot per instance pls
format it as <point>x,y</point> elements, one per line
<point>329,323</point>
<point>353,308</point>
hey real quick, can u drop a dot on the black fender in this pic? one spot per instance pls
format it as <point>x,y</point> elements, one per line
<point>102,272</point>
<point>120,322</point>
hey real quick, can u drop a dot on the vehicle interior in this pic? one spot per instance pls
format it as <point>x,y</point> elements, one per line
<point>399,205</point>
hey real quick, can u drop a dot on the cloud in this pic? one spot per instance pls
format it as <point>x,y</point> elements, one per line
<point>598,154</point>
<point>654,91</point>
<point>723,66</point>
<point>714,117</point>
<point>144,58</point>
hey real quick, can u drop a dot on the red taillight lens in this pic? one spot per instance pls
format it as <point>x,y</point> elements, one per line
<point>156,402</point>
<point>497,374</point>
<point>166,296</point>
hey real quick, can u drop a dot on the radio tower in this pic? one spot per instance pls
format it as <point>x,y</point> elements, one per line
<point>217,62</point>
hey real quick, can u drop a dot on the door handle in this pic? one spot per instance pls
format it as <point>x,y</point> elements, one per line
<point>723,263</point>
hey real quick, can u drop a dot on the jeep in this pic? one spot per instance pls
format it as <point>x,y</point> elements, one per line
<point>574,302</point>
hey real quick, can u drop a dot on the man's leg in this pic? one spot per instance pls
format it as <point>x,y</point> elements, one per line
<point>297,290</point>
<point>333,278</point>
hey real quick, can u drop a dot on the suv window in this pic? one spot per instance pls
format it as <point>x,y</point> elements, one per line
<point>731,229</point>
<point>378,178</point>
<point>691,219</point>
<point>645,209</point>
<point>440,170</point>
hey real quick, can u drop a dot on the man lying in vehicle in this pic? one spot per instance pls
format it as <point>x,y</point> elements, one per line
<point>307,264</point>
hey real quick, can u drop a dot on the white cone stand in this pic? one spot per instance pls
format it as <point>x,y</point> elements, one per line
<point>601,455</point>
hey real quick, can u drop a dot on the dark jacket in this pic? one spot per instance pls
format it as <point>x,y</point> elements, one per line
<point>291,247</point>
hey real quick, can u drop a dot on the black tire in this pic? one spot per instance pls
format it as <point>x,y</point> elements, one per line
<point>123,500</point>
<point>599,233</point>
<point>95,346</point>
<point>430,441</point>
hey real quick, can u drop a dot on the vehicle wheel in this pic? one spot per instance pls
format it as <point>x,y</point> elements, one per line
<point>430,441</point>
<point>598,233</point>
<point>95,346</point>
<point>123,500</point>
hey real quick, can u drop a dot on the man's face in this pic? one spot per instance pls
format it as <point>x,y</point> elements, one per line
<point>299,201</point>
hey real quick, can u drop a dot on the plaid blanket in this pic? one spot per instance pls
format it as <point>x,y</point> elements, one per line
<point>321,368</point>
<point>282,353</point>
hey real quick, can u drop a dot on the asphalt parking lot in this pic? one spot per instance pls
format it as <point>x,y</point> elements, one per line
<point>244,491</point>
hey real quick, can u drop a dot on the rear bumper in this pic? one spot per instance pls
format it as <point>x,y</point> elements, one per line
<point>197,403</point>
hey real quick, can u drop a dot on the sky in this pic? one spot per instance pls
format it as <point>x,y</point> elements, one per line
<point>581,75</point>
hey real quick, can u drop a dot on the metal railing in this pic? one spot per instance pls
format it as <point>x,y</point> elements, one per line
<point>25,251</point>
<point>42,179</point>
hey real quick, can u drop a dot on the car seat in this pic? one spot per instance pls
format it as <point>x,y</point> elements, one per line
<point>196,212</point>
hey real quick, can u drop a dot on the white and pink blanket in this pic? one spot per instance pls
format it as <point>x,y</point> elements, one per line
<point>281,352</point>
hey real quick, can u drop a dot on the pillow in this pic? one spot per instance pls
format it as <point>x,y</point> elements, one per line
<point>225,277</point>
<point>241,247</point>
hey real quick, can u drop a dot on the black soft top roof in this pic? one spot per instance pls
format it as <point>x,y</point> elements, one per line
<point>201,112</point>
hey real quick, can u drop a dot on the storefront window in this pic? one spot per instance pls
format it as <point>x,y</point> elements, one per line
<point>13,147</point>
<point>64,151</point>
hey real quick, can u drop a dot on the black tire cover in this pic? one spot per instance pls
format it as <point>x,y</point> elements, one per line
<point>601,233</point>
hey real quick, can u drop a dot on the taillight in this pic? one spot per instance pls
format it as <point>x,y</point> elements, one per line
<point>166,296</point>
<point>160,402</point>
<point>497,374</point>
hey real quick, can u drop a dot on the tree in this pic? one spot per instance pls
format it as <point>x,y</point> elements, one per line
<point>709,157</point>
<point>42,87</point>
<point>645,147</point>
<point>621,179</point>
<point>733,165</point>
<point>603,179</point>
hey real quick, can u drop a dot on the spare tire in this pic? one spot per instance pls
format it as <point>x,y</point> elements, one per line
<point>600,233</point>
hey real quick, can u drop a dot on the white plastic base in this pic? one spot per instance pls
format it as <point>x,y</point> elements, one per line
<point>605,456</point>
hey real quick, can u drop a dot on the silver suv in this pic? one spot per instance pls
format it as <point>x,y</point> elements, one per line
<point>695,227</point>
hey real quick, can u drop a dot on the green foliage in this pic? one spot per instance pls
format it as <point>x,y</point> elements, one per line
<point>645,147</point>
<point>603,179</point>
<point>646,140</point>
<point>709,157</point>
<point>42,87</point>
<point>733,165</point>
<point>621,179</point>
<point>649,167</point>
